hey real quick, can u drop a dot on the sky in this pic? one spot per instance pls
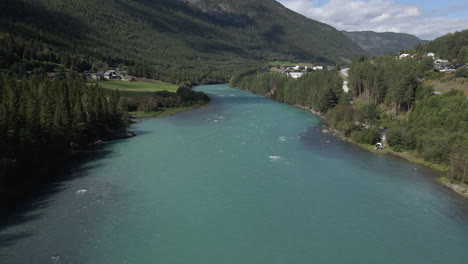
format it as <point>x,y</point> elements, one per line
<point>426,19</point>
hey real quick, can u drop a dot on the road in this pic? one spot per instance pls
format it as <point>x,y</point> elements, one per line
<point>345,71</point>
<point>345,83</point>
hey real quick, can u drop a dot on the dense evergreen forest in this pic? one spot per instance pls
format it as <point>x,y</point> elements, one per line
<point>173,41</point>
<point>452,46</point>
<point>386,97</point>
<point>43,121</point>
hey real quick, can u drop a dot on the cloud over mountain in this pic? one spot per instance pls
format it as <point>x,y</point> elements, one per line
<point>380,16</point>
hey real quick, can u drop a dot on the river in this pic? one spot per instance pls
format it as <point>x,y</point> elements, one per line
<point>245,180</point>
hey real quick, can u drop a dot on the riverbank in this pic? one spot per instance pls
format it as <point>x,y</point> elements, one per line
<point>458,187</point>
<point>407,155</point>
<point>165,111</point>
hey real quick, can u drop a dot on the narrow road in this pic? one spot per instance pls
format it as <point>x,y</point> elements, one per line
<point>345,83</point>
<point>345,72</point>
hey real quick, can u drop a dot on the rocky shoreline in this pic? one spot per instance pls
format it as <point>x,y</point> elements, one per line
<point>459,188</point>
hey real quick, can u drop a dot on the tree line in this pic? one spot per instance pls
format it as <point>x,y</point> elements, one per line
<point>319,90</point>
<point>165,99</point>
<point>42,121</point>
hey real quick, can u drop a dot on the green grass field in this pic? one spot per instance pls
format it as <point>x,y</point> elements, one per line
<point>133,89</point>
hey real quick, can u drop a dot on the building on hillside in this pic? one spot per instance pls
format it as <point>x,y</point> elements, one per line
<point>295,75</point>
<point>98,76</point>
<point>431,54</point>
<point>447,69</point>
<point>404,55</point>
<point>441,64</point>
<point>112,75</point>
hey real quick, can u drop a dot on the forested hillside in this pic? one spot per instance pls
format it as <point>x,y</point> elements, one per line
<point>382,43</point>
<point>200,41</point>
<point>453,47</point>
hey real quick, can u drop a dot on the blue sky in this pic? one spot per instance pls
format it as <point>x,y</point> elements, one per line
<point>426,19</point>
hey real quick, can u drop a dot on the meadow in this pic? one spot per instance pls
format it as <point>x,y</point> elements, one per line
<point>138,88</point>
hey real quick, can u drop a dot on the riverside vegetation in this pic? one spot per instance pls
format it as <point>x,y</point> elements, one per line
<point>386,94</point>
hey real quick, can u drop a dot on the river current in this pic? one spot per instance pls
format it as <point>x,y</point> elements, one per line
<point>244,180</point>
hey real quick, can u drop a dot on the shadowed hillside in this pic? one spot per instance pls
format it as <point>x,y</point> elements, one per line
<point>382,43</point>
<point>196,40</point>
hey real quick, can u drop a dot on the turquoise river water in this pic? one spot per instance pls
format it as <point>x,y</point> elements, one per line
<point>245,180</point>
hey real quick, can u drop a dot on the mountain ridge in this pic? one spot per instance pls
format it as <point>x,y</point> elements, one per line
<point>196,40</point>
<point>383,42</point>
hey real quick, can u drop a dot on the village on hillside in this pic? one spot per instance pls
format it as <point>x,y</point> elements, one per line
<point>296,71</point>
<point>440,65</point>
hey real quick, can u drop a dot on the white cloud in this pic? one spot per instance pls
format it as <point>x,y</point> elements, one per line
<point>376,15</point>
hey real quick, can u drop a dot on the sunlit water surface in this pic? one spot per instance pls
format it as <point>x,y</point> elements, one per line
<point>245,180</point>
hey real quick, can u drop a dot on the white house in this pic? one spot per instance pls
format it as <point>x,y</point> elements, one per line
<point>297,67</point>
<point>295,75</point>
<point>316,68</point>
<point>404,55</point>
<point>431,54</point>
<point>111,75</point>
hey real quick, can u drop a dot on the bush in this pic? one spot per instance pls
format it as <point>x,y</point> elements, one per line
<point>434,146</point>
<point>400,138</point>
<point>462,72</point>
<point>366,136</point>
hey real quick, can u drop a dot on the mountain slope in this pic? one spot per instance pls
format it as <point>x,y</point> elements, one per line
<point>381,43</point>
<point>453,46</point>
<point>173,40</point>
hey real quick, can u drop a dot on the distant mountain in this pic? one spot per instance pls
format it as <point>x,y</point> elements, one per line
<point>453,46</point>
<point>381,43</point>
<point>172,40</point>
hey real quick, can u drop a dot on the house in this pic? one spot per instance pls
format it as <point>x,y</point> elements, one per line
<point>441,64</point>
<point>112,75</point>
<point>317,68</point>
<point>404,55</point>
<point>98,76</point>
<point>295,75</point>
<point>431,54</point>
<point>297,67</point>
<point>330,68</point>
<point>447,69</point>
